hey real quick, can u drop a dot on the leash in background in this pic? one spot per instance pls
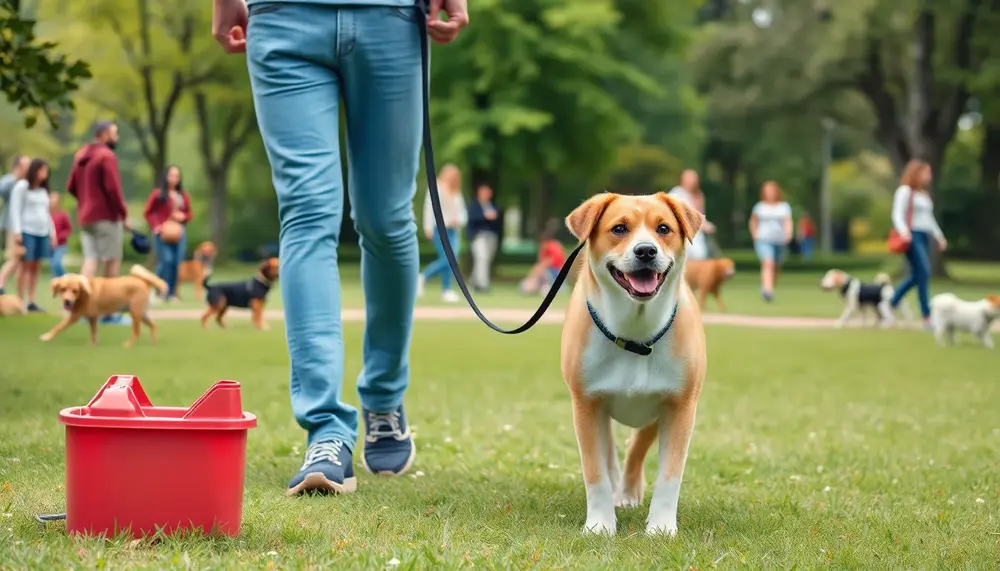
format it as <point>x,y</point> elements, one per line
<point>422,10</point>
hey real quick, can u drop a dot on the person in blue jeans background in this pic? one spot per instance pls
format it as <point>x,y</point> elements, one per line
<point>302,58</point>
<point>169,202</point>
<point>63,228</point>
<point>913,218</point>
<point>456,216</point>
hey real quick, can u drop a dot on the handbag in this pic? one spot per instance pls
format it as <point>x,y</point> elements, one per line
<point>897,245</point>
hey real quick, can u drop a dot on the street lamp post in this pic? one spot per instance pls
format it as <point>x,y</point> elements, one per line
<point>825,207</point>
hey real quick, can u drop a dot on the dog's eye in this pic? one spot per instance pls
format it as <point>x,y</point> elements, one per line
<point>619,229</point>
<point>663,229</point>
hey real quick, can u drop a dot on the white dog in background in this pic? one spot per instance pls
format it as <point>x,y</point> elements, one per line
<point>860,297</point>
<point>950,314</point>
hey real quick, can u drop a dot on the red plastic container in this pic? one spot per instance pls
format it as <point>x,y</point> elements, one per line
<point>132,466</point>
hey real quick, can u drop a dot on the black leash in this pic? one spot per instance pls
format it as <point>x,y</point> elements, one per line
<point>422,10</point>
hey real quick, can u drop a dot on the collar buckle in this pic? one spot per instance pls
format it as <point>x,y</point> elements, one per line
<point>620,342</point>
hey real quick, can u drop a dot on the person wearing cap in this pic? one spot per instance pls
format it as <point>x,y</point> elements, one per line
<point>101,210</point>
<point>303,56</point>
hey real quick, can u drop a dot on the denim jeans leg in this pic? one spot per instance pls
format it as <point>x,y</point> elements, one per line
<point>292,57</point>
<point>439,264</point>
<point>56,265</point>
<point>380,62</point>
<point>162,256</point>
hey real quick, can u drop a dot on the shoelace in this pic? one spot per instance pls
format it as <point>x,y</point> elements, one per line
<point>323,451</point>
<point>383,425</point>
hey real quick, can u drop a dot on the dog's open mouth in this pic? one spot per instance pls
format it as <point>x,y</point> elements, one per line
<point>640,284</point>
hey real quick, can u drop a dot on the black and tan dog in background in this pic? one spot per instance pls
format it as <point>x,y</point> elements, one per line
<point>247,294</point>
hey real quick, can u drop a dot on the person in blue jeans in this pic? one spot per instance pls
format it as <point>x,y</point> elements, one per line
<point>913,219</point>
<point>456,216</point>
<point>302,58</point>
<point>169,202</point>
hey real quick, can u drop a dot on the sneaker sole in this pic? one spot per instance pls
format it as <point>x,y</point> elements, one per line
<point>409,463</point>
<point>317,482</point>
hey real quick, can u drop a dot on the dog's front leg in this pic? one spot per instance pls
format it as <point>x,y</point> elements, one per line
<point>593,435</point>
<point>676,425</point>
<point>60,327</point>
<point>92,321</point>
<point>885,313</point>
<point>849,307</point>
<point>986,337</point>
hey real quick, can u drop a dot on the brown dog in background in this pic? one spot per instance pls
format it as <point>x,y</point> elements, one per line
<point>251,293</point>
<point>92,298</point>
<point>193,271</point>
<point>707,276</point>
<point>11,305</point>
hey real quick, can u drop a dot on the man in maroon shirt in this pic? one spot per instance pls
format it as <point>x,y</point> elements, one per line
<point>101,210</point>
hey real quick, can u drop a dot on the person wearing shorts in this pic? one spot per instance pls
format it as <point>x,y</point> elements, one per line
<point>771,228</point>
<point>101,210</point>
<point>33,228</point>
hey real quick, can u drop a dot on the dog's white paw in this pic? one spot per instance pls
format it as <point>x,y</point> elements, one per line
<point>668,529</point>
<point>838,325</point>
<point>46,337</point>
<point>599,526</point>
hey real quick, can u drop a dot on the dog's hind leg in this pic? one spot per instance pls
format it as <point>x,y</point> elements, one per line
<point>152,326</point>
<point>136,328</point>
<point>219,314</point>
<point>633,484</point>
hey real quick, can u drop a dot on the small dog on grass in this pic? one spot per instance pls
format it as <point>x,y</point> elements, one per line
<point>633,351</point>
<point>860,297</point>
<point>707,276</point>
<point>11,305</point>
<point>950,314</point>
<point>92,298</point>
<point>251,293</point>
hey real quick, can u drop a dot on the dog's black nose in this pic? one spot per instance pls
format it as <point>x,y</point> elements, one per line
<point>645,252</point>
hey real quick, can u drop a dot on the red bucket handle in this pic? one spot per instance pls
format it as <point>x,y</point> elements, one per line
<point>121,395</point>
<point>222,400</point>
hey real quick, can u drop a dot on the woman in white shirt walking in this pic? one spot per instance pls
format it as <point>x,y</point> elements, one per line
<point>913,219</point>
<point>689,191</point>
<point>32,226</point>
<point>455,218</point>
<point>771,228</point>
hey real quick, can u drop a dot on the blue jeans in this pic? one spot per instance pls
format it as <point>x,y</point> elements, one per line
<point>168,260</point>
<point>806,247</point>
<point>440,265</point>
<point>919,258</point>
<point>302,58</point>
<point>56,263</point>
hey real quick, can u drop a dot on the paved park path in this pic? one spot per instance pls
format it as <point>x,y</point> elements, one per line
<point>460,313</point>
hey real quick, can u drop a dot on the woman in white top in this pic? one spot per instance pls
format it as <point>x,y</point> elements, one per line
<point>31,223</point>
<point>455,217</point>
<point>689,191</point>
<point>771,228</point>
<point>913,218</point>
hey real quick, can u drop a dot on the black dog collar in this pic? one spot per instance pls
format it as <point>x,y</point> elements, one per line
<point>636,347</point>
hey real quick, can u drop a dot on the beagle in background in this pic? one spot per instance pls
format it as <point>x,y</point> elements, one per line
<point>950,314</point>
<point>860,297</point>
<point>93,298</point>
<point>633,351</point>
<point>251,293</point>
<point>193,271</point>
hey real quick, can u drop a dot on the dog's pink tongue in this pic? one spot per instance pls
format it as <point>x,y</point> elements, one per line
<point>642,282</point>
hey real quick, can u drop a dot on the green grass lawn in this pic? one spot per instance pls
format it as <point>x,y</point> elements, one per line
<point>798,294</point>
<point>861,449</point>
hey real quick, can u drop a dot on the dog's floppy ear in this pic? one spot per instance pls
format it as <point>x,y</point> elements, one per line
<point>689,219</point>
<point>85,284</point>
<point>994,299</point>
<point>582,220</point>
<point>57,285</point>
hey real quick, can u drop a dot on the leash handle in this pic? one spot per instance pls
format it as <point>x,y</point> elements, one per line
<point>422,10</point>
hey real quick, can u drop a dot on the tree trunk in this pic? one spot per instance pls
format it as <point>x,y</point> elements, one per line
<point>217,201</point>
<point>988,231</point>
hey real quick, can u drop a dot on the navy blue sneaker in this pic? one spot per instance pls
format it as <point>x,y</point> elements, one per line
<point>328,469</point>
<point>389,449</point>
<point>33,308</point>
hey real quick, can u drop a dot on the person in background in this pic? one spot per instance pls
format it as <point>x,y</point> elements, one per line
<point>63,227</point>
<point>32,226</point>
<point>455,217</point>
<point>771,229</point>
<point>19,167</point>
<point>303,60</point>
<point>913,218</point>
<point>101,211</point>
<point>484,236</point>
<point>689,191</point>
<point>807,236</point>
<point>169,202</point>
<point>551,257</point>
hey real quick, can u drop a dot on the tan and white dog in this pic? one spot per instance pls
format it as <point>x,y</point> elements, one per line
<point>633,351</point>
<point>949,314</point>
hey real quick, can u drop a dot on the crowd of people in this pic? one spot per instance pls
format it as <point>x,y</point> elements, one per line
<point>36,228</point>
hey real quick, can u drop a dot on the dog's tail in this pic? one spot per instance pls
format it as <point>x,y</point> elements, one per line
<point>882,278</point>
<point>149,277</point>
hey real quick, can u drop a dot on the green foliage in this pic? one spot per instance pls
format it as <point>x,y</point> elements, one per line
<point>33,76</point>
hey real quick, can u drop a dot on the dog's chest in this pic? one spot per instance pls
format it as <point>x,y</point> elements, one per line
<point>632,386</point>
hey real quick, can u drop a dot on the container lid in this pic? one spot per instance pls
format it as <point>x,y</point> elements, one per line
<point>122,403</point>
